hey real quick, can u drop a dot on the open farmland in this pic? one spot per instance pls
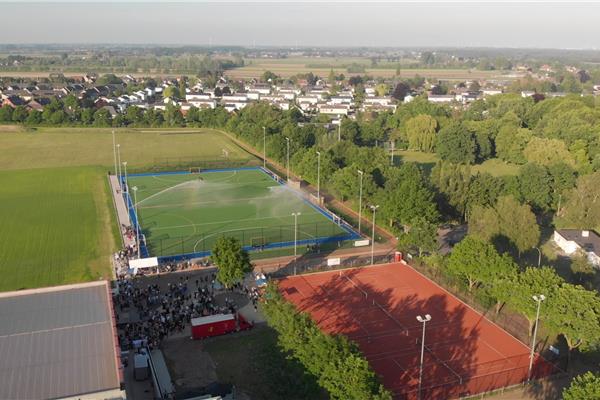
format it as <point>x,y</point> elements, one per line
<point>287,67</point>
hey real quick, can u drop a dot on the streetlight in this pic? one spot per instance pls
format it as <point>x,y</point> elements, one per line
<point>392,157</point>
<point>114,150</point>
<point>288,158</point>
<point>539,256</point>
<point>119,160</point>
<point>319,177</point>
<point>264,147</point>
<point>538,299</point>
<point>374,208</point>
<point>360,201</point>
<point>126,187</point>
<point>424,321</point>
<point>340,131</point>
<point>137,220</point>
<point>295,237</point>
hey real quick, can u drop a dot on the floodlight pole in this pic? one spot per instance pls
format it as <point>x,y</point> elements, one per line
<point>126,186</point>
<point>424,321</point>
<point>264,147</point>
<point>288,158</point>
<point>295,237</point>
<point>374,208</point>
<point>392,157</point>
<point>119,163</point>
<point>539,255</point>
<point>340,131</point>
<point>319,177</point>
<point>361,173</point>
<point>137,220</point>
<point>538,299</point>
<point>114,151</point>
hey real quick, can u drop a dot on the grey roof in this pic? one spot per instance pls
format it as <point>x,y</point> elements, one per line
<point>57,342</point>
<point>589,243</point>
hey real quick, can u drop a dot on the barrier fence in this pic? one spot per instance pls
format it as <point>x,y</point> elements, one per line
<point>482,378</point>
<point>252,239</point>
<point>186,163</point>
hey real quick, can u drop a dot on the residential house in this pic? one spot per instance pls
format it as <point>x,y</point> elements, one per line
<point>573,240</point>
<point>441,98</point>
<point>334,109</point>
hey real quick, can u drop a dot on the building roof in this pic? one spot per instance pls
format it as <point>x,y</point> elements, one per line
<point>589,243</point>
<point>57,342</point>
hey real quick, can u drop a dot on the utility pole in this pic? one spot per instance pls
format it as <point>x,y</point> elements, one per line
<point>538,300</point>
<point>319,177</point>
<point>288,158</point>
<point>373,208</point>
<point>264,147</point>
<point>360,173</point>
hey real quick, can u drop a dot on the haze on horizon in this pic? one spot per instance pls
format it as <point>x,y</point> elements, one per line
<point>440,24</point>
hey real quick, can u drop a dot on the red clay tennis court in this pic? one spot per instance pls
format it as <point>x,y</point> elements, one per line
<point>465,353</point>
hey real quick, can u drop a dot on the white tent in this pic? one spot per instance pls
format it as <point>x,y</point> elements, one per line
<point>143,263</point>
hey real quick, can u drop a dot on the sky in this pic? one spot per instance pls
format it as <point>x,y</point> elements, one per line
<point>343,24</point>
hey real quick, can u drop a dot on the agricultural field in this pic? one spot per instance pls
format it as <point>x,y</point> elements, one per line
<point>186,213</point>
<point>57,220</point>
<point>56,227</point>
<point>287,67</point>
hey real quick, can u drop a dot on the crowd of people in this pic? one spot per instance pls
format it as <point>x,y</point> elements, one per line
<point>155,314</point>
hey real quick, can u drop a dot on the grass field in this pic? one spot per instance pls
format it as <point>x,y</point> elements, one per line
<point>186,213</point>
<point>60,147</point>
<point>57,220</point>
<point>55,227</point>
<point>427,161</point>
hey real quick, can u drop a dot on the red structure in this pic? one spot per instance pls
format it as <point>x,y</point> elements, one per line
<point>219,324</point>
<point>376,307</point>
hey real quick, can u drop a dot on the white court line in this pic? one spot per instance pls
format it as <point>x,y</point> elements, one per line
<point>228,221</point>
<point>195,203</point>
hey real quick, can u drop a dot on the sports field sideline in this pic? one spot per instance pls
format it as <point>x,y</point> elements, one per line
<point>185,213</point>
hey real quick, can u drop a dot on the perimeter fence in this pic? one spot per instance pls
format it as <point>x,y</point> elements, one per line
<point>253,239</point>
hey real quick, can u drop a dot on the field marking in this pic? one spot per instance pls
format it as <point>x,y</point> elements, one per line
<point>228,221</point>
<point>222,201</point>
<point>242,229</point>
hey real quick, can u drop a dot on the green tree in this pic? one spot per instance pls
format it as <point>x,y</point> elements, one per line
<point>547,152</point>
<point>456,145</point>
<point>420,235</point>
<point>474,261</point>
<point>421,132</point>
<point>231,259</point>
<point>102,118</point>
<point>582,206</point>
<point>34,118</point>
<point>511,142</point>
<point>517,223</point>
<point>574,313</point>
<point>171,92</point>
<point>533,281</point>
<point>536,184</point>
<point>583,387</point>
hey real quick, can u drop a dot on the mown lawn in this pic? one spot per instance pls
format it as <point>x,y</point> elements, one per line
<point>427,161</point>
<point>57,222</point>
<point>61,147</point>
<point>56,227</point>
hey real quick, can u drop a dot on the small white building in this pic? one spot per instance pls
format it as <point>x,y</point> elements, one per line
<point>232,98</point>
<point>382,101</point>
<point>574,240</point>
<point>491,92</point>
<point>441,98</point>
<point>333,109</point>
<point>198,97</point>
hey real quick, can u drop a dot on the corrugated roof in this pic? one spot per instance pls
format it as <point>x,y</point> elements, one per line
<point>57,342</point>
